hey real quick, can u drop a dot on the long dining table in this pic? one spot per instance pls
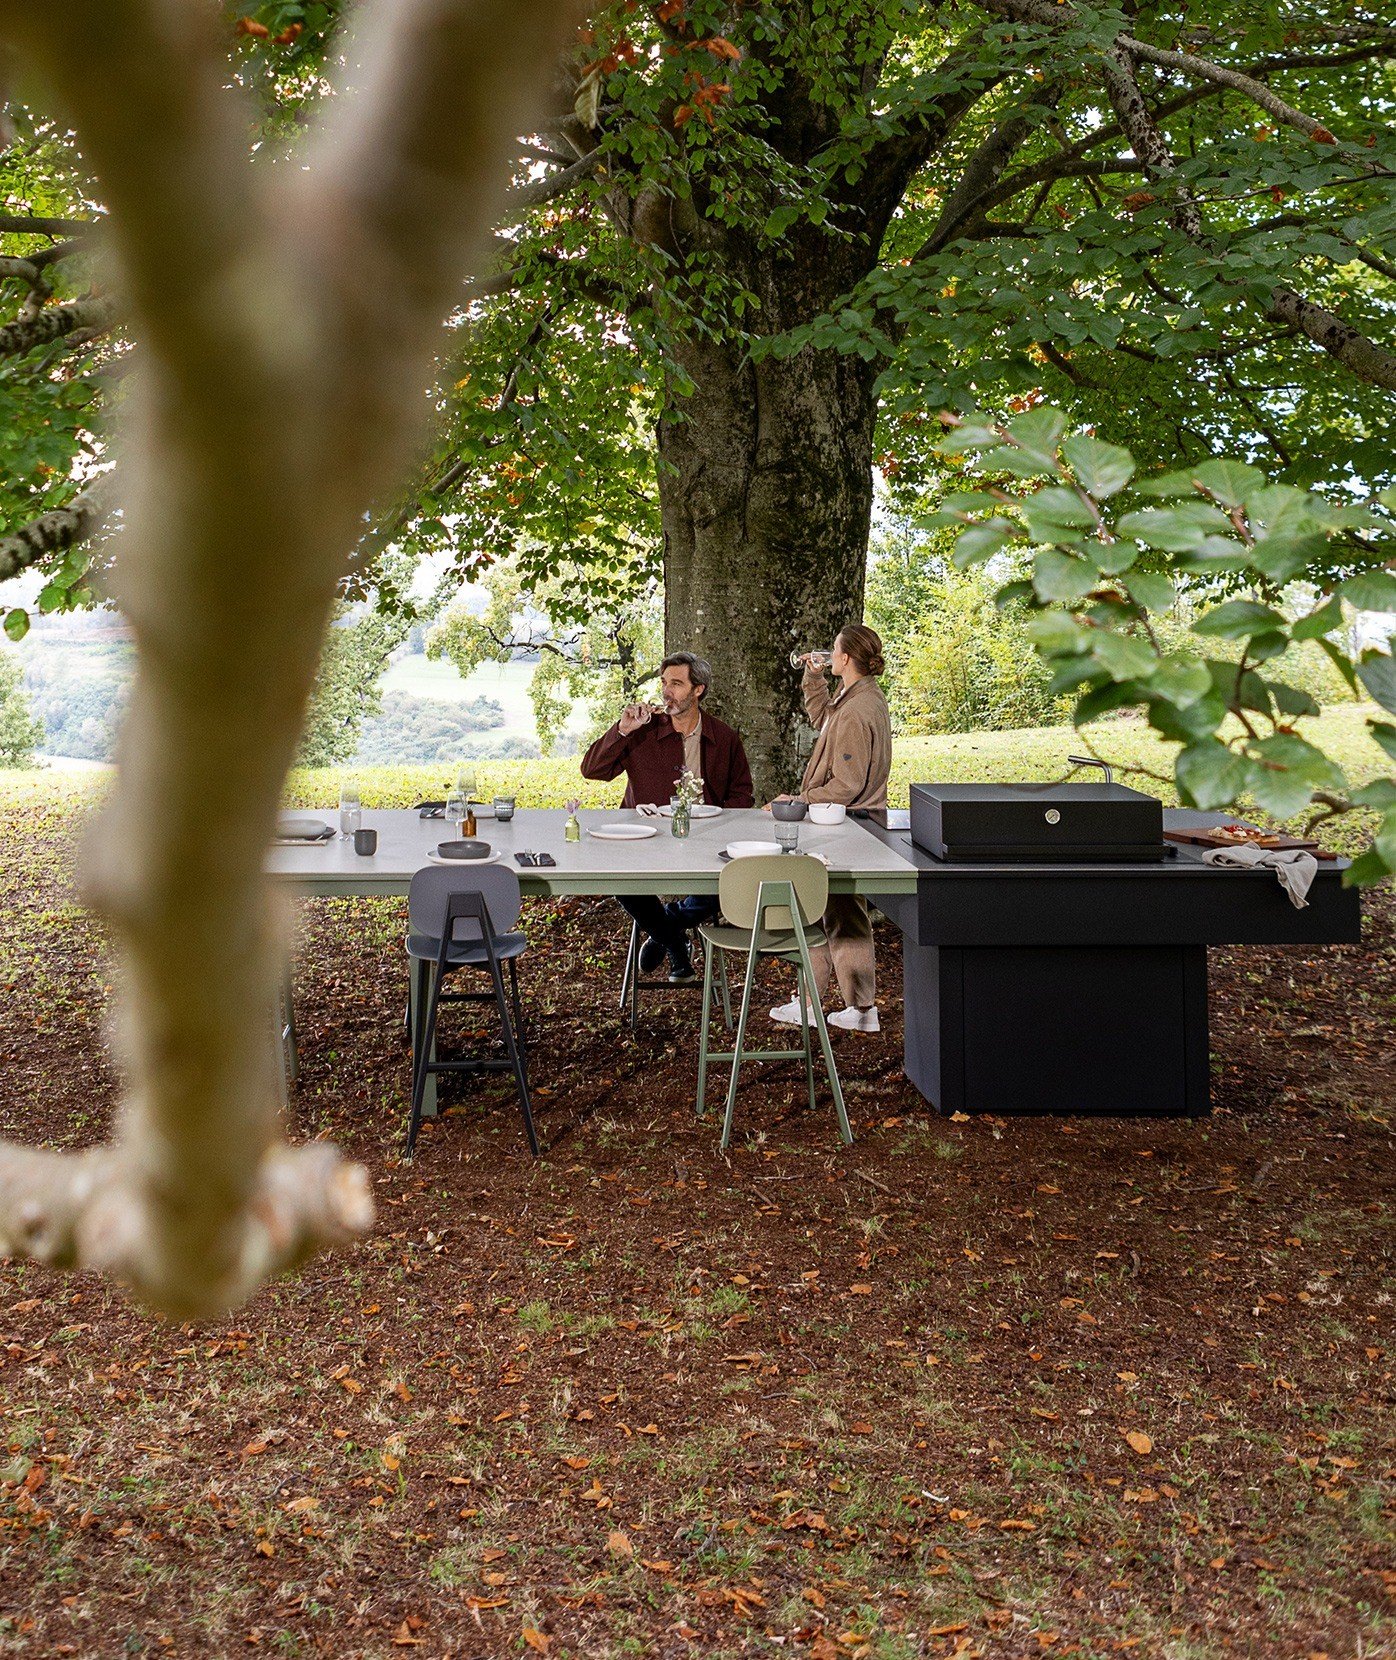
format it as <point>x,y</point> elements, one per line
<point>858,861</point>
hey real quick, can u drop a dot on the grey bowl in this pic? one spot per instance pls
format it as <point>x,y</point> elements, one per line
<point>789,812</point>
<point>463,850</point>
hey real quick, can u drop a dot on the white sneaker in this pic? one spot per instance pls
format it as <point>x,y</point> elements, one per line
<point>856,1020</point>
<point>788,1014</point>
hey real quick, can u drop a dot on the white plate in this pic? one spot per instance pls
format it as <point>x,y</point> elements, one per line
<point>300,827</point>
<point>704,809</point>
<point>751,850</point>
<point>465,864</point>
<point>623,832</point>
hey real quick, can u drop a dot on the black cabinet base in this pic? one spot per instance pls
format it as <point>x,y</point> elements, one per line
<point>1104,1030</point>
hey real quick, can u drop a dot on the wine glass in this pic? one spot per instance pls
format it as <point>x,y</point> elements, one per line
<point>817,659</point>
<point>455,812</point>
<point>466,783</point>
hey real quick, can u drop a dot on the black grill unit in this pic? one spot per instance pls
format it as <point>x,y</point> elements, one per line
<point>1024,824</point>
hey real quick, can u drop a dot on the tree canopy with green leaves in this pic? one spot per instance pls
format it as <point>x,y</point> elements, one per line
<point>756,248</point>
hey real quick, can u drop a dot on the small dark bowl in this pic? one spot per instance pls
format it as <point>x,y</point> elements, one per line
<point>789,812</point>
<point>464,851</point>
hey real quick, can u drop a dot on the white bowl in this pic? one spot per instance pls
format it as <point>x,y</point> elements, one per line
<point>827,812</point>
<point>751,850</point>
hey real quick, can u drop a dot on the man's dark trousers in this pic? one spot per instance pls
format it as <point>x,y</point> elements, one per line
<point>670,923</point>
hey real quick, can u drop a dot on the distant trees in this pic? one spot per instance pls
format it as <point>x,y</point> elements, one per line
<point>79,693</point>
<point>597,636</point>
<point>20,732</point>
<point>346,689</point>
<point>408,729</point>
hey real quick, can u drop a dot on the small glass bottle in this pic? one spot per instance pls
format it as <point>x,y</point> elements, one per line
<point>350,810</point>
<point>572,830</point>
<point>470,828</point>
<point>678,823</point>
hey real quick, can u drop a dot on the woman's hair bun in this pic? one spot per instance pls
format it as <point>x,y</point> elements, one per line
<point>864,646</point>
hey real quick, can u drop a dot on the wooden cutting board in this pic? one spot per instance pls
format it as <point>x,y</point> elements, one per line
<point>1271,843</point>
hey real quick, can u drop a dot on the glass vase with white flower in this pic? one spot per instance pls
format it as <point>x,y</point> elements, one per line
<point>688,792</point>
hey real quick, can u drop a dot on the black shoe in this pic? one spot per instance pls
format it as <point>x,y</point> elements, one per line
<point>652,954</point>
<point>680,965</point>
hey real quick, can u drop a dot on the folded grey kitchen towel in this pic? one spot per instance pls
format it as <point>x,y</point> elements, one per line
<point>1293,866</point>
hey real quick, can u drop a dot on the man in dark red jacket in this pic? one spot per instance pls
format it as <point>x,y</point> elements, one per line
<point>652,750</point>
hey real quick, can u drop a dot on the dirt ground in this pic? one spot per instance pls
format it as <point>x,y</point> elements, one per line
<point>997,1388</point>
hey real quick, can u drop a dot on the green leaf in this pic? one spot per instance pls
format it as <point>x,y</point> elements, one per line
<point>1238,619</point>
<point>982,541</point>
<point>1182,680</point>
<point>16,622</point>
<point>1104,700</point>
<point>1366,869</point>
<point>1324,620</point>
<point>1111,558</point>
<point>1180,529</point>
<point>1376,671</point>
<point>1229,481</point>
<point>1056,515</point>
<point>965,439</point>
<point>1103,469</point>
<point>1340,661</point>
<point>968,501</point>
<point>1384,734</point>
<point>1282,557</point>
<point>1289,700</point>
<point>1187,723</point>
<point>1072,672</point>
<point>1014,593</point>
<point>1279,792</point>
<point>1152,591</point>
<point>1166,486</point>
<point>1243,691</point>
<point>1380,793</point>
<point>1060,576</point>
<point>1055,632</point>
<point>1371,591</point>
<point>1384,840</point>
<point>1262,647</point>
<point>1126,658</point>
<point>1210,775</point>
<point>1298,755</point>
<point>1021,463</point>
<point>1039,432</point>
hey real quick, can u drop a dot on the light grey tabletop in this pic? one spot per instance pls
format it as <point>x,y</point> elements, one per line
<point>663,863</point>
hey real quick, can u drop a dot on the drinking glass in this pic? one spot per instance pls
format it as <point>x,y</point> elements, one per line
<point>455,813</point>
<point>818,659</point>
<point>503,808</point>
<point>787,834</point>
<point>350,809</point>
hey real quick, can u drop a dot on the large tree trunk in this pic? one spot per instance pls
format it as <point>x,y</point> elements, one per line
<point>766,490</point>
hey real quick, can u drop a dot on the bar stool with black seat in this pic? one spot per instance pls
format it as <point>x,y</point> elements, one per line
<point>633,982</point>
<point>771,907</point>
<point>462,917</point>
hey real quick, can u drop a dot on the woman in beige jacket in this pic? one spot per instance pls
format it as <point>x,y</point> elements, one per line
<point>850,763</point>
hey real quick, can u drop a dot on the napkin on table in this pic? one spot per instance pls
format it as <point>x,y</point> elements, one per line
<point>1293,866</point>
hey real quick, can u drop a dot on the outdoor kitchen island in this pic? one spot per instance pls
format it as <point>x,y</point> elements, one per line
<point>1034,988</point>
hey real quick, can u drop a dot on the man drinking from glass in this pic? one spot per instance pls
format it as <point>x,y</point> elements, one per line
<point>653,748</point>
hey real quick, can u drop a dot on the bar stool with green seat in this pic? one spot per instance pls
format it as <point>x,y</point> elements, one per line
<point>770,908</point>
